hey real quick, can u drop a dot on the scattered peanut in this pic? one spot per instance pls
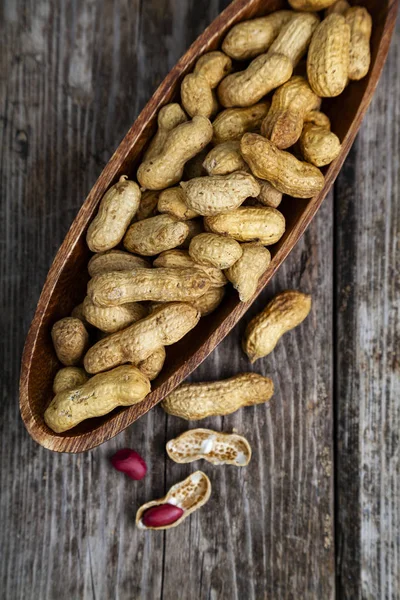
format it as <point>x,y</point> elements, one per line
<point>157,285</point>
<point>290,103</point>
<point>115,260</point>
<point>169,117</point>
<point>122,386</point>
<point>287,310</point>
<point>172,202</point>
<point>197,88</point>
<point>225,158</point>
<point>70,340</point>
<point>192,401</point>
<point>270,70</point>
<point>182,143</point>
<point>360,22</point>
<point>182,259</point>
<point>182,499</point>
<point>117,208</point>
<point>249,224</point>
<point>220,193</point>
<point>232,123</point>
<point>129,462</point>
<point>69,378</point>
<point>152,365</point>
<point>282,169</point>
<point>163,327</point>
<point>212,446</point>
<point>328,56</point>
<point>246,272</point>
<point>216,250</point>
<point>154,235</point>
<point>113,318</point>
<point>250,38</point>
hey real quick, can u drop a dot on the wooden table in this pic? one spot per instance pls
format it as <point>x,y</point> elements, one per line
<point>319,506</point>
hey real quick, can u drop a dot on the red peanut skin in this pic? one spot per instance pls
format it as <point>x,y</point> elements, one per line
<point>163,514</point>
<point>129,462</point>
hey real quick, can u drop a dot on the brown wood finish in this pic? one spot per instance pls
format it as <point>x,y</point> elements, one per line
<point>67,278</point>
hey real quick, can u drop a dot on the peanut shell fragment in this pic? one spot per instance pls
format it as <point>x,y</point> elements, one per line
<point>212,446</point>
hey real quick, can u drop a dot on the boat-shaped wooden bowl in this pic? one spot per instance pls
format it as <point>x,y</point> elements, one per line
<point>66,282</point>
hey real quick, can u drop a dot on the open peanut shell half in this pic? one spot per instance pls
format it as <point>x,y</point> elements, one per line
<point>215,447</point>
<point>188,495</point>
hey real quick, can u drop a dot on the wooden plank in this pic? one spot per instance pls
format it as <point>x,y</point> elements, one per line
<point>367,324</point>
<point>70,530</point>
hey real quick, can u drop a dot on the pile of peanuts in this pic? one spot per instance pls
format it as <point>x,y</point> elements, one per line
<point>248,129</point>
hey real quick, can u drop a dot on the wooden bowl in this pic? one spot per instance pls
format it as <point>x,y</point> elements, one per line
<point>65,285</point>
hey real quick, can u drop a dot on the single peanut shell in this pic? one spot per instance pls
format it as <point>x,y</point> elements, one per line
<point>328,56</point>
<point>232,123</point>
<point>290,103</point>
<point>192,401</point>
<point>102,393</point>
<point>287,310</point>
<point>148,206</point>
<point>197,87</point>
<point>139,285</point>
<point>213,446</point>
<point>169,117</point>
<point>295,36</point>
<point>286,173</point>
<point>250,38</point>
<point>225,158</point>
<point>152,366</point>
<point>182,260</point>
<point>70,340</point>
<point>265,73</point>
<point>220,193</point>
<point>182,144</point>
<point>117,209</point>
<point>360,23</point>
<point>319,146</point>
<point>249,224</point>
<point>207,303</point>
<point>189,495</point>
<point>246,272</point>
<point>69,378</point>
<point>172,202</point>
<point>163,327</point>
<point>154,235</point>
<point>113,318</point>
<point>115,260</point>
<point>216,250</point>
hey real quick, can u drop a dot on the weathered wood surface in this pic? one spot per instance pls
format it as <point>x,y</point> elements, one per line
<point>74,77</point>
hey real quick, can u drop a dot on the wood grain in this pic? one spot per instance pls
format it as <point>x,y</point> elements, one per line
<point>65,285</point>
<point>367,363</point>
<point>70,89</point>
